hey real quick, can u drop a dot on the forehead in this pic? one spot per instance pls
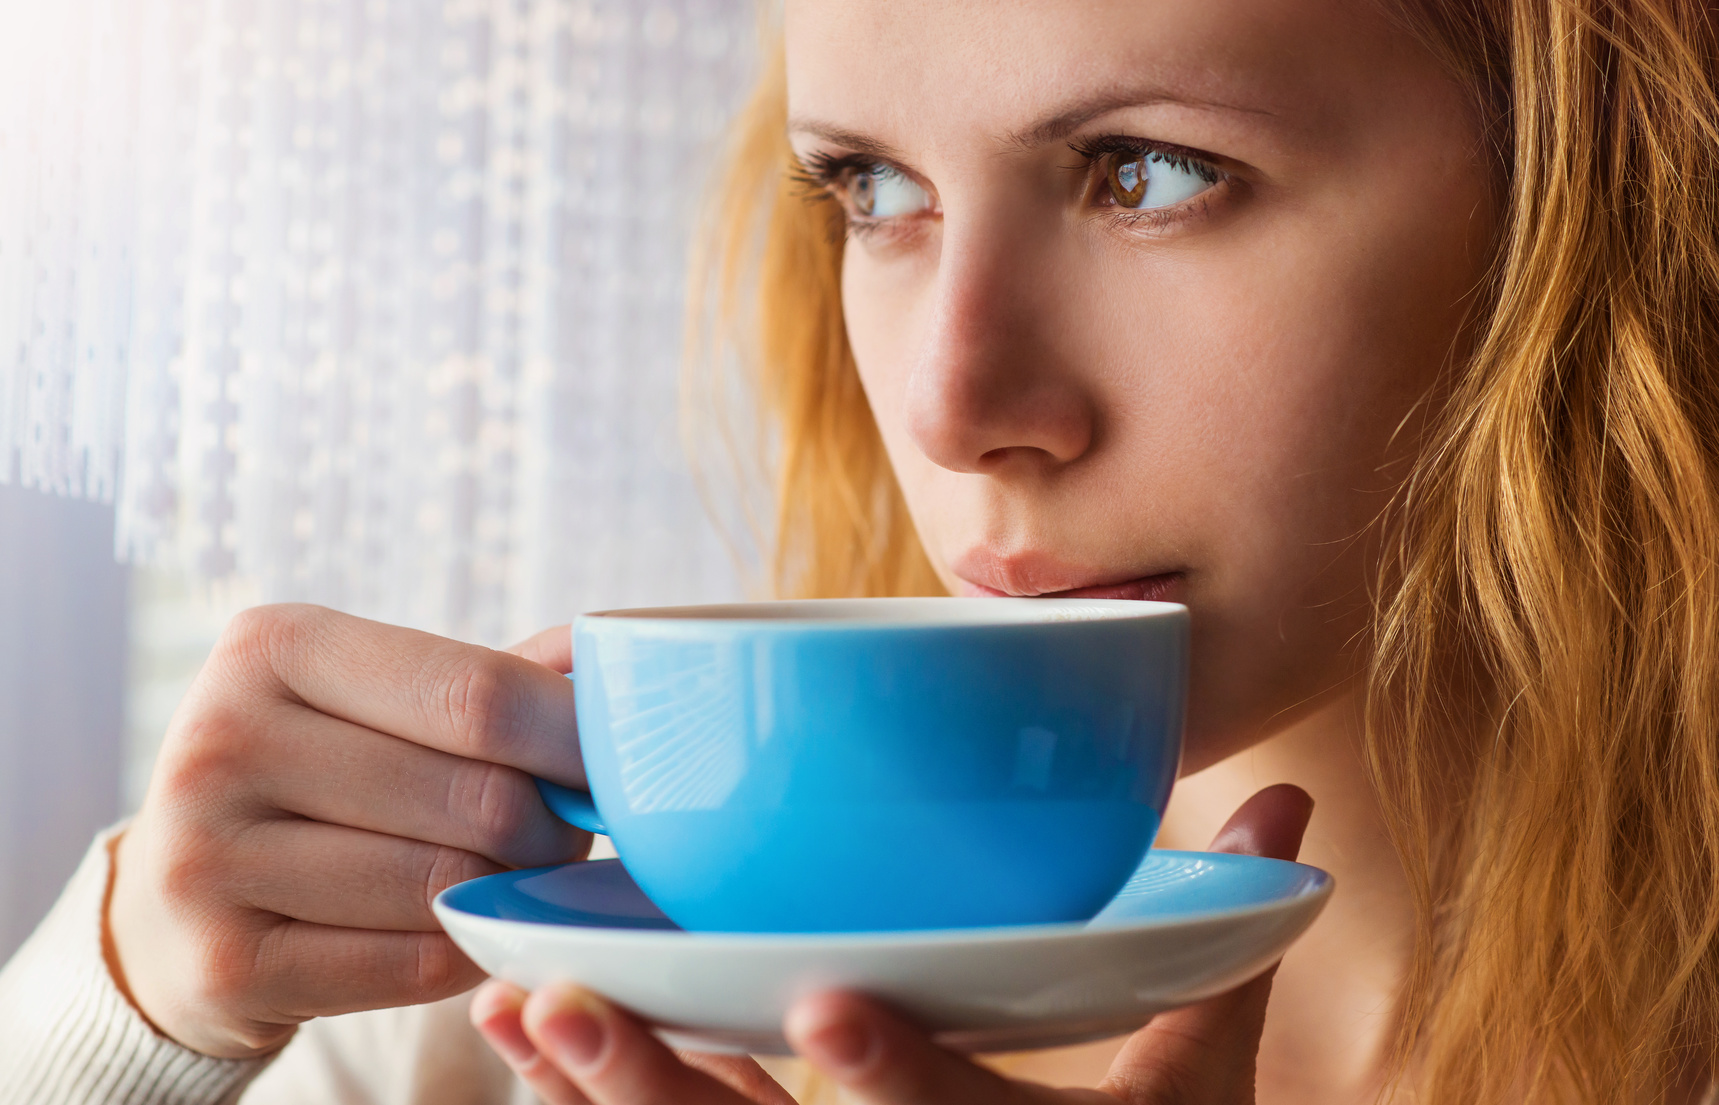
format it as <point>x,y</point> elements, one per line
<point>1000,65</point>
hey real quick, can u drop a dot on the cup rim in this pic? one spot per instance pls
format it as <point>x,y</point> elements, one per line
<point>928,612</point>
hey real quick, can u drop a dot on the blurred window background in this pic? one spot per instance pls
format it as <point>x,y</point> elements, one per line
<point>372,303</point>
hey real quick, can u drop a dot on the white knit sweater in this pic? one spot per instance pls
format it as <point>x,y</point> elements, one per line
<point>69,1037</point>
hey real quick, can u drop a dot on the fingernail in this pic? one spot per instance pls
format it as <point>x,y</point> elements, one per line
<point>508,1038</point>
<point>495,1010</point>
<point>576,1035</point>
<point>839,1046</point>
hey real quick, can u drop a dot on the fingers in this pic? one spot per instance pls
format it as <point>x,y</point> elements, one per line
<point>496,1013</point>
<point>574,1048</point>
<point>740,1073</point>
<point>357,969</point>
<point>1270,824</point>
<point>379,882</point>
<point>881,1058</point>
<point>553,648</point>
<point>236,1005</point>
<point>1207,1052</point>
<point>470,701</point>
<point>610,1057</point>
<point>331,770</point>
<point>324,778</point>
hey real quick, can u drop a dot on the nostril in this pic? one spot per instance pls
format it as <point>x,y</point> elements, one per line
<point>997,458</point>
<point>970,406</point>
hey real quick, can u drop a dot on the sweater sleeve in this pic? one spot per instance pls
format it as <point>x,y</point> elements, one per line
<point>69,1037</point>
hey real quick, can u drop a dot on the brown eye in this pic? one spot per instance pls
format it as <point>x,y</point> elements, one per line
<point>1128,176</point>
<point>862,192</point>
<point>1145,180</point>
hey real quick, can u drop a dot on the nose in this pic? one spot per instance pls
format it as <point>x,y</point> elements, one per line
<point>988,391</point>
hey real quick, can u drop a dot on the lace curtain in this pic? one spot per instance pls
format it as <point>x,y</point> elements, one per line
<point>374,303</point>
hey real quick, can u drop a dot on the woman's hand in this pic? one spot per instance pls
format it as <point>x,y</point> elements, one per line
<point>573,1048</point>
<point>324,778</point>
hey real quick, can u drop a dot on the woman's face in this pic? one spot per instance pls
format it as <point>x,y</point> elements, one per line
<point>1141,292</point>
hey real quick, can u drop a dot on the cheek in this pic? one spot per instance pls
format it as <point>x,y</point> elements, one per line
<point>1259,403</point>
<point>881,303</point>
<point>886,307</point>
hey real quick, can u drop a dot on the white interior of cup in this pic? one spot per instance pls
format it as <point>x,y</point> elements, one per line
<point>909,611</point>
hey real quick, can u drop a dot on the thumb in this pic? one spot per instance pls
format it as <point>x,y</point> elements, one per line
<point>1204,1054</point>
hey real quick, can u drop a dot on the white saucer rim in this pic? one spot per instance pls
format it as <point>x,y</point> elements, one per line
<point>1322,887</point>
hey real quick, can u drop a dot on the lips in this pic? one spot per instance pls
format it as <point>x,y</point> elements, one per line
<point>1158,588</point>
<point>986,575</point>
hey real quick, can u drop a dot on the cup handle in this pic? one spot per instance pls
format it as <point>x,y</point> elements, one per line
<point>572,806</point>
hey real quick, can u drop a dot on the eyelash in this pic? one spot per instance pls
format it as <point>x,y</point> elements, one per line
<point>1094,151</point>
<point>819,174</point>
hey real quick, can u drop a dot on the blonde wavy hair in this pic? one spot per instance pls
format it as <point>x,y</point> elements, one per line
<point>1549,590</point>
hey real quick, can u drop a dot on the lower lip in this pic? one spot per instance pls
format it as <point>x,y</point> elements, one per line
<point>1160,588</point>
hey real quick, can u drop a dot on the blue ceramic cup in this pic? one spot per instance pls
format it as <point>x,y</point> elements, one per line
<point>874,764</point>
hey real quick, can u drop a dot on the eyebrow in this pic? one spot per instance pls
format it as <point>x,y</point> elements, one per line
<point>841,136</point>
<point>1051,128</point>
<point>1056,127</point>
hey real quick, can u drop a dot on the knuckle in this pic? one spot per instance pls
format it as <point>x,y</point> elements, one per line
<point>185,869</point>
<point>225,965</point>
<point>207,769</point>
<point>258,644</point>
<point>1171,1081</point>
<point>214,735</point>
<point>450,867</point>
<point>496,804</point>
<point>256,634</point>
<point>258,1036</point>
<point>208,737</point>
<point>481,699</point>
<point>439,969</point>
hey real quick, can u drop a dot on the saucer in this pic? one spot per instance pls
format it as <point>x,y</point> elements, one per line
<point>1187,926</point>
